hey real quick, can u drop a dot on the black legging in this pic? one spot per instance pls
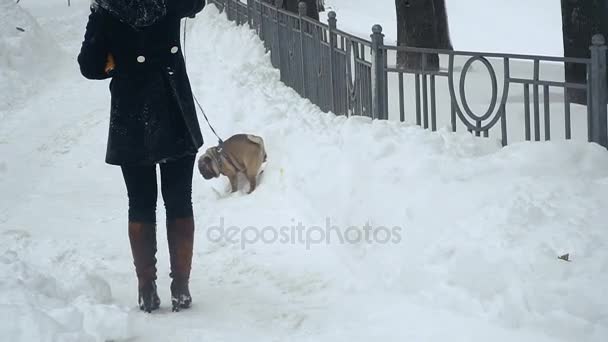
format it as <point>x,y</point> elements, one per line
<point>176,188</point>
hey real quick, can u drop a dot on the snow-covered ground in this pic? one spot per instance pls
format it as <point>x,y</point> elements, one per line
<point>480,227</point>
<point>22,69</point>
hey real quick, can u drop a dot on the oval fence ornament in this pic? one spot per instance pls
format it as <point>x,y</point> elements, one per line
<point>463,97</point>
<point>477,126</point>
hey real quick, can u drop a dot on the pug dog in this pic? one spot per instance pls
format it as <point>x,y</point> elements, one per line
<point>241,153</point>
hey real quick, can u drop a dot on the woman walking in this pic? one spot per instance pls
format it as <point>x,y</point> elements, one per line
<point>152,121</point>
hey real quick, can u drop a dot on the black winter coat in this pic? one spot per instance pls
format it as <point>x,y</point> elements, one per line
<point>153,118</point>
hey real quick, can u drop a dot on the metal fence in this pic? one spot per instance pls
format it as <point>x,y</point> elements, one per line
<point>349,75</point>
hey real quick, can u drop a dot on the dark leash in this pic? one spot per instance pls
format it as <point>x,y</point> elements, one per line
<point>220,141</point>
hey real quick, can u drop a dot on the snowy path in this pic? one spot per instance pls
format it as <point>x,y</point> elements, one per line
<point>481,226</point>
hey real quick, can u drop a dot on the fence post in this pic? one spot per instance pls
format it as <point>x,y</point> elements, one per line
<point>261,32</point>
<point>237,18</point>
<point>599,89</point>
<point>277,43</point>
<point>249,20</point>
<point>301,15</point>
<point>332,23</point>
<point>378,81</point>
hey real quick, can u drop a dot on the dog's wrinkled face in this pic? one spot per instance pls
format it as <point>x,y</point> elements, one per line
<point>207,165</point>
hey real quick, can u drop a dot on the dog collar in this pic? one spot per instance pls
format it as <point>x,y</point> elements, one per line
<point>221,153</point>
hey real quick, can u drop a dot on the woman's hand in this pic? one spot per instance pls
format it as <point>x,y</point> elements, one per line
<point>110,64</point>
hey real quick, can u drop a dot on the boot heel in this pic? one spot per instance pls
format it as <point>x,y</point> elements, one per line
<point>148,298</point>
<point>175,304</point>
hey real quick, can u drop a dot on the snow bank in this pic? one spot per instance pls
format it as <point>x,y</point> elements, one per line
<point>482,225</point>
<point>28,55</point>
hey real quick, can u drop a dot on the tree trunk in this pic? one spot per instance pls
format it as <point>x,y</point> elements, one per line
<point>443,29</point>
<point>312,9</point>
<point>581,19</point>
<point>422,24</point>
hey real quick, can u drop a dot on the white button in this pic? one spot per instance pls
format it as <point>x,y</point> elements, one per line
<point>174,50</point>
<point>141,59</point>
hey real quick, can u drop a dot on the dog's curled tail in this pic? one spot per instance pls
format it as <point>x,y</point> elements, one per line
<point>255,139</point>
<point>259,141</point>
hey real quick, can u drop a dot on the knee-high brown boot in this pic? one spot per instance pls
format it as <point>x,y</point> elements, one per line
<point>143,246</point>
<point>180,235</point>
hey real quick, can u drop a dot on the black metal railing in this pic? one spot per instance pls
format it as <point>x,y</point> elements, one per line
<point>349,75</point>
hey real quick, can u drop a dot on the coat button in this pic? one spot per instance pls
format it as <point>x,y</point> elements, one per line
<point>174,50</point>
<point>141,59</point>
<point>170,71</point>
